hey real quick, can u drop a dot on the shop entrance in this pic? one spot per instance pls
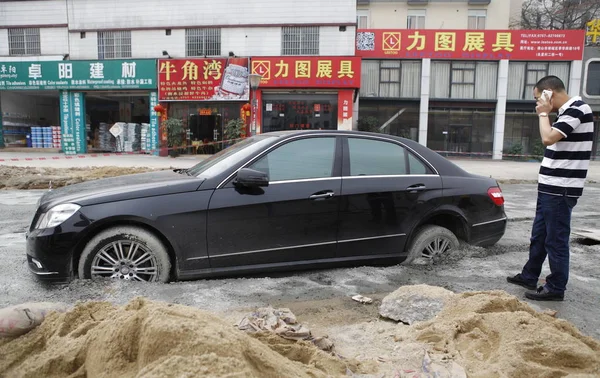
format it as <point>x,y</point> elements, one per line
<point>459,138</point>
<point>299,111</point>
<point>104,109</point>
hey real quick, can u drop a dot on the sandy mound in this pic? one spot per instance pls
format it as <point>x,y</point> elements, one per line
<point>493,334</point>
<point>151,339</point>
<point>39,178</point>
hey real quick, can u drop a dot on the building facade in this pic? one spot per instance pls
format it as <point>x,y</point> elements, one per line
<point>461,85</point>
<point>311,54</point>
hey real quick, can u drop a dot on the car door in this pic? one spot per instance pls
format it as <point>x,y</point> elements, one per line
<point>294,219</point>
<point>385,189</point>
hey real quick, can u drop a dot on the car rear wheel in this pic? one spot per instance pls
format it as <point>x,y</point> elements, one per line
<point>126,253</point>
<point>430,243</point>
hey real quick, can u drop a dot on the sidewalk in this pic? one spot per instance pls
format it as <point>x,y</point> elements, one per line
<point>499,169</point>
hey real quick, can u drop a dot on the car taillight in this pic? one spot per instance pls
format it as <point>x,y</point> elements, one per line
<point>496,196</point>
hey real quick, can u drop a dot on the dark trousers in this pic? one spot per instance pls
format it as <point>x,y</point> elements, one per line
<point>550,237</point>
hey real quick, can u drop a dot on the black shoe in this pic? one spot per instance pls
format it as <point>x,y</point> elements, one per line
<point>518,280</point>
<point>542,294</point>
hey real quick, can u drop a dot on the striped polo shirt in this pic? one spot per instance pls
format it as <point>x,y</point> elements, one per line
<point>565,164</point>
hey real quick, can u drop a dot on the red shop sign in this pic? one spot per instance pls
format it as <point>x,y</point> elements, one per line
<point>308,72</point>
<point>471,44</point>
<point>208,79</point>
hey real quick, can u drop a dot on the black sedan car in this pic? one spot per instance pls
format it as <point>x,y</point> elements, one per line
<point>276,201</point>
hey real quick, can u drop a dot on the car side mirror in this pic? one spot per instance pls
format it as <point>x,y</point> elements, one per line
<point>251,178</point>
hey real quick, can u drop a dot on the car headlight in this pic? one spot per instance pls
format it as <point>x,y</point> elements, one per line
<point>56,215</point>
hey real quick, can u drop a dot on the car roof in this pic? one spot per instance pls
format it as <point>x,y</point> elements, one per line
<point>444,166</point>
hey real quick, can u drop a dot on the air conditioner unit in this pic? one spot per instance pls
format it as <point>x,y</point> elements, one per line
<point>418,2</point>
<point>479,2</point>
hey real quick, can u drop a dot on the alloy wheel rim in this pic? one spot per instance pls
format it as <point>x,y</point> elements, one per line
<point>437,247</point>
<point>126,260</point>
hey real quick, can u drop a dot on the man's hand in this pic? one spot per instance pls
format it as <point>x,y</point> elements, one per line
<point>543,105</point>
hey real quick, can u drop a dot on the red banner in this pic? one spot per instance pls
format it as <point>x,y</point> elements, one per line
<point>308,72</point>
<point>471,44</point>
<point>345,98</point>
<point>207,79</point>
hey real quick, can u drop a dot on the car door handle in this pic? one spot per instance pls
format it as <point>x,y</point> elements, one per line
<point>416,188</point>
<point>325,195</point>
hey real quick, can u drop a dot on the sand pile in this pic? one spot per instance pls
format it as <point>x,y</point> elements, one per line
<point>493,334</point>
<point>150,339</point>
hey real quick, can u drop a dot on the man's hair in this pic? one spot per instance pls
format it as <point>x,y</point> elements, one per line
<point>552,83</point>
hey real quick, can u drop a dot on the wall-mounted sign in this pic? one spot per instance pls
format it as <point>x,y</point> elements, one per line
<point>308,72</point>
<point>203,79</point>
<point>563,45</point>
<point>78,75</point>
<point>592,33</point>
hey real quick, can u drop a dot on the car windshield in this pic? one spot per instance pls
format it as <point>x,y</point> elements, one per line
<point>230,156</point>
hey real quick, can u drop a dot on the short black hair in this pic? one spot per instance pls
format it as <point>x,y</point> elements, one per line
<point>552,83</point>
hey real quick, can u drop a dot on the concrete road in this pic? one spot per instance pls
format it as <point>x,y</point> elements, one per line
<point>468,269</point>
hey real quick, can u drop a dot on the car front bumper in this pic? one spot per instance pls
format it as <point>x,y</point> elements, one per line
<point>50,254</point>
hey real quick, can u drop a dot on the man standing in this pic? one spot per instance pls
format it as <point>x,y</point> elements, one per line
<point>560,183</point>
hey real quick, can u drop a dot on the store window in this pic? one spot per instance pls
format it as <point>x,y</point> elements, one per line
<point>362,19</point>
<point>461,131</point>
<point>521,133</point>
<point>415,19</point>
<point>114,44</point>
<point>592,82</point>
<point>477,18</point>
<point>522,77</point>
<point>299,112</point>
<point>203,42</point>
<point>400,117</point>
<point>391,78</point>
<point>299,160</point>
<point>464,80</point>
<point>24,41</point>
<point>300,40</point>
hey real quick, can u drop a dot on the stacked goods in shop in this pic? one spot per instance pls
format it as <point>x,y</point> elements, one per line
<point>130,139</point>
<point>106,141</point>
<point>56,140</point>
<point>47,137</point>
<point>37,137</point>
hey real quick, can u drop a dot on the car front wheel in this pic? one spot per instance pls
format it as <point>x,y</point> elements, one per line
<point>430,243</point>
<point>126,253</point>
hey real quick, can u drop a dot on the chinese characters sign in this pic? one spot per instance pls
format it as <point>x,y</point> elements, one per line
<point>308,72</point>
<point>592,34</point>
<point>72,122</point>
<point>345,99</point>
<point>203,79</point>
<point>152,141</point>
<point>78,75</point>
<point>471,44</point>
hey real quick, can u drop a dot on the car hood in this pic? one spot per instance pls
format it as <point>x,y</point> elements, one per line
<point>121,188</point>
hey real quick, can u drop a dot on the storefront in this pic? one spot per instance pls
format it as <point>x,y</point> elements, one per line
<point>209,96</point>
<point>306,93</point>
<point>72,105</point>
<point>462,92</point>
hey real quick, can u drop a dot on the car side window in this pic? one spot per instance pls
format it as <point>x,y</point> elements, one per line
<point>369,157</point>
<point>301,159</point>
<point>416,166</point>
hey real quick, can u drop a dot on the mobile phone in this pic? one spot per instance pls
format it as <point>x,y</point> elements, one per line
<point>547,93</point>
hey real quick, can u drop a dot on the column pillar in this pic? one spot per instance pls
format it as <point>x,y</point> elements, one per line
<point>499,121</point>
<point>575,78</point>
<point>424,104</point>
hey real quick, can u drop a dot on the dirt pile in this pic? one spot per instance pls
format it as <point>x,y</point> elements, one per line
<point>151,339</point>
<point>493,334</point>
<point>39,178</point>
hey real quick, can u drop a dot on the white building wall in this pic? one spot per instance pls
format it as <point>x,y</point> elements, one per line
<point>83,48</point>
<point>439,15</point>
<point>19,13</point>
<point>151,43</point>
<point>4,42</point>
<point>119,14</point>
<point>54,41</point>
